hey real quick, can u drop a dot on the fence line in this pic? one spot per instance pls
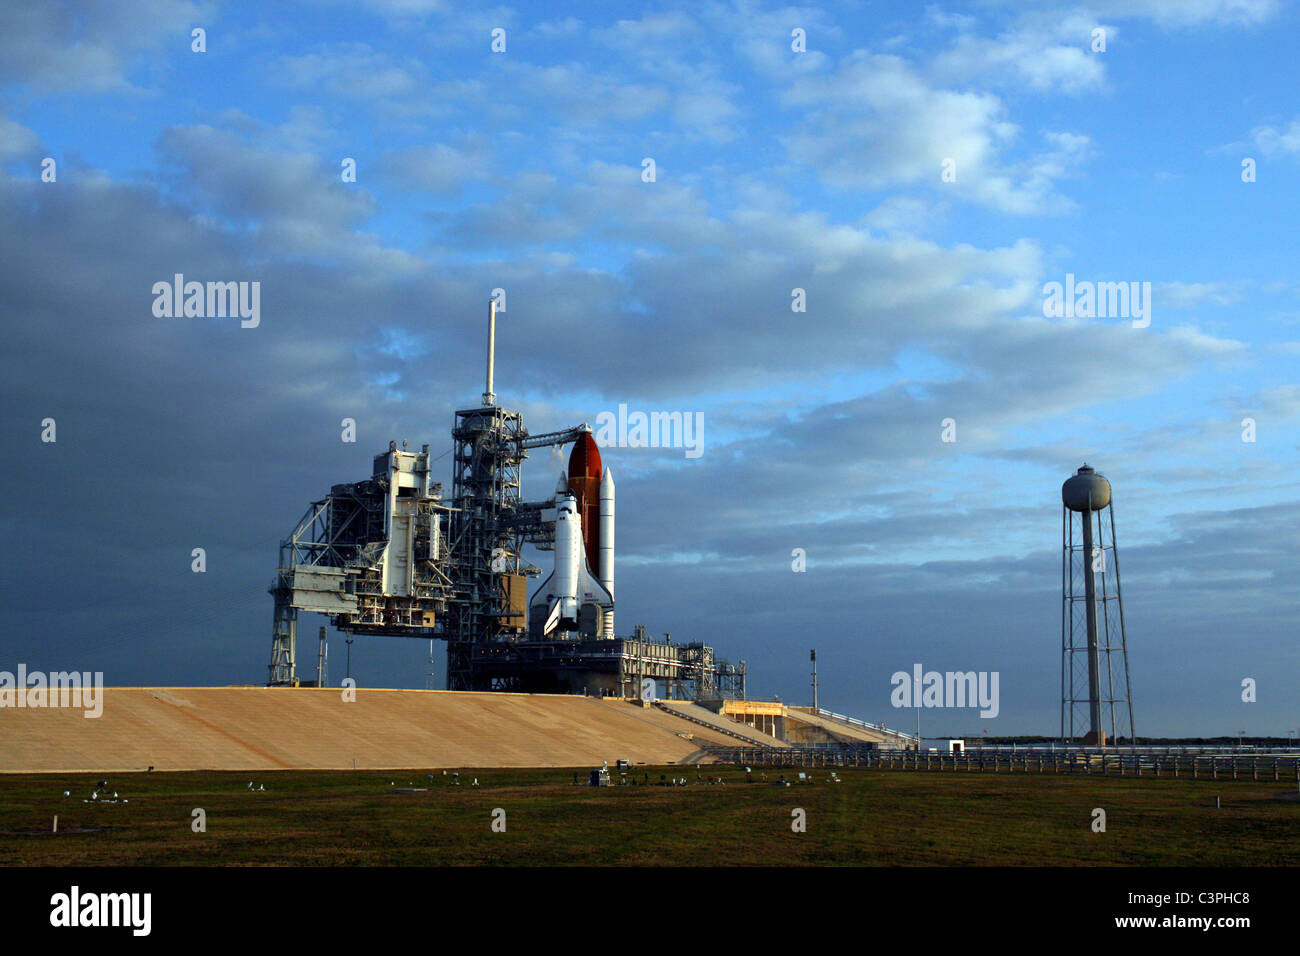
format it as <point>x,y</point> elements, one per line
<point>1212,766</point>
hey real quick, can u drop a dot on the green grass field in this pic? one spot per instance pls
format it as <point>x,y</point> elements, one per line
<point>874,817</point>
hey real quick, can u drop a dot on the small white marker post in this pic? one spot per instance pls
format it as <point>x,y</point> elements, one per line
<point>56,823</point>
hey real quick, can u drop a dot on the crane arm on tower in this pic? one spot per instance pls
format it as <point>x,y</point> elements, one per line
<point>562,437</point>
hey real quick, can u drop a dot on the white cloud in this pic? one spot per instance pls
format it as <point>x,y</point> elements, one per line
<point>902,214</point>
<point>1197,342</point>
<point>1273,142</point>
<point>876,122</point>
<point>355,71</point>
<point>1282,401</point>
<point>17,141</point>
<point>763,37</point>
<point>1046,52</point>
<point>1190,13</point>
<point>296,203</point>
<point>68,46</point>
<point>1186,295</point>
<point>556,29</point>
<point>440,168</point>
<point>654,38</point>
<point>583,95</point>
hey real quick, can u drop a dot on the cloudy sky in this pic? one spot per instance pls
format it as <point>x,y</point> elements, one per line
<point>919,172</point>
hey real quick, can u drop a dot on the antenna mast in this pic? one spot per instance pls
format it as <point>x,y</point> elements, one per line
<point>489,397</point>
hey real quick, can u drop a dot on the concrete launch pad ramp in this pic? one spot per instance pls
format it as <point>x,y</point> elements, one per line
<point>257,728</point>
<point>845,732</point>
<point>737,734</point>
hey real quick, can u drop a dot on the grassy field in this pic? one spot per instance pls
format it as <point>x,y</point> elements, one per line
<point>873,817</point>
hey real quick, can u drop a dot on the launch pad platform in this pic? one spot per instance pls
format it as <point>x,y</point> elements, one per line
<point>606,667</point>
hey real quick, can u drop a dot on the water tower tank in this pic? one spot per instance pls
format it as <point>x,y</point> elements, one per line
<point>1086,491</point>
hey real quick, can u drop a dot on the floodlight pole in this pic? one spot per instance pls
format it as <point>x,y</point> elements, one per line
<point>813,655</point>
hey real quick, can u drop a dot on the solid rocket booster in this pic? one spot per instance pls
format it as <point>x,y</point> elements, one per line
<point>606,542</point>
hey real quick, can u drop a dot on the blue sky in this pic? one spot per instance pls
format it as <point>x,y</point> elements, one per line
<point>775,169</point>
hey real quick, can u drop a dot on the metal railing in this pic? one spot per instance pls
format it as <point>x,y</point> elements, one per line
<point>1210,766</point>
<point>879,728</point>
<point>1163,749</point>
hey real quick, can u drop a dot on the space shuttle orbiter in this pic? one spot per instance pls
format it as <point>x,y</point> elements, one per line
<point>572,598</point>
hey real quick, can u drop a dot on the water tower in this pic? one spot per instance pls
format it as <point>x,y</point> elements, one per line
<point>1096,705</point>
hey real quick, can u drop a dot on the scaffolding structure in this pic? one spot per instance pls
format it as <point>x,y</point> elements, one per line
<point>488,453</point>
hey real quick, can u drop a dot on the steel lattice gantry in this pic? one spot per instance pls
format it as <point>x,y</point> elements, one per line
<point>488,452</point>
